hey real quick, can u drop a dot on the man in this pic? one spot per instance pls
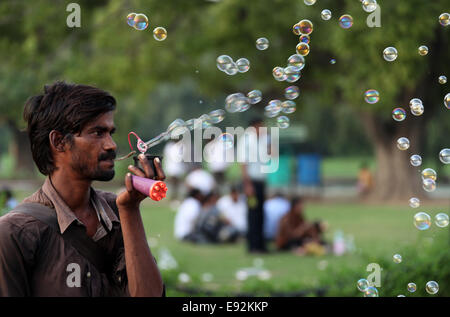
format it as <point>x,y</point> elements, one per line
<point>70,129</point>
<point>233,207</point>
<point>274,209</point>
<point>187,215</point>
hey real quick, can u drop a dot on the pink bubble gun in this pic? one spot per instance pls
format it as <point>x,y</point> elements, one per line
<point>154,189</point>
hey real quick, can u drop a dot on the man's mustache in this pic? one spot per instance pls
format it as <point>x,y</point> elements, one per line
<point>110,155</point>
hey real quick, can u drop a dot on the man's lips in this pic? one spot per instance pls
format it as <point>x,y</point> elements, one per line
<point>111,162</point>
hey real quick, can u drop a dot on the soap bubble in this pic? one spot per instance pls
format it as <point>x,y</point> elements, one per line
<point>403,144</point>
<point>390,54</point>
<point>397,258</point>
<point>422,221</point>
<point>278,73</point>
<point>442,80</point>
<point>190,124</point>
<point>217,116</point>
<point>441,220</point>
<point>234,102</point>
<point>140,22</point>
<point>416,160</point>
<point>305,27</point>
<point>283,122</point>
<point>362,285</point>
<point>159,33</point>
<point>176,128</point>
<point>262,43</point>
<point>325,14</point>
<point>254,96</point>
<point>292,74</point>
<point>411,287</point>
<point>346,21</point>
<point>423,50</point>
<point>369,5</point>
<point>291,92</point>
<point>432,287</point>
<point>371,96</point>
<point>206,121</point>
<point>296,29</point>
<point>447,101</point>
<point>429,173</point>
<point>414,202</point>
<point>444,19</point>
<point>399,114</point>
<point>371,292</point>
<point>231,69</point>
<point>226,140</point>
<point>130,19</point>
<point>309,2</point>
<point>415,101</point>
<point>243,65</point>
<point>302,49</point>
<point>184,278</point>
<point>288,106</point>
<point>429,185</point>
<point>273,108</point>
<point>444,156</point>
<point>296,60</point>
<point>223,62</point>
<point>417,109</point>
<point>332,61</point>
<point>304,39</point>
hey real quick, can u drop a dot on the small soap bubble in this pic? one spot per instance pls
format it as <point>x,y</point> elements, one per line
<point>309,2</point>
<point>159,33</point>
<point>305,27</point>
<point>403,143</point>
<point>227,140</point>
<point>429,185</point>
<point>390,54</point>
<point>296,60</point>
<point>304,39</point>
<point>296,29</point>
<point>243,65</point>
<point>217,116</point>
<point>371,96</point>
<point>415,101</point>
<point>176,128</point>
<point>416,160</point>
<point>140,22</point>
<point>254,96</point>
<point>422,221</point>
<point>273,108</point>
<point>414,202</point>
<point>417,109</point>
<point>302,49</point>
<point>442,80</point>
<point>444,19</point>
<point>262,43</point>
<point>291,92</point>
<point>362,285</point>
<point>432,287</point>
<point>232,69</point>
<point>441,220</point>
<point>369,5</point>
<point>332,61</point>
<point>399,114</point>
<point>283,122</point>
<point>447,101</point>
<point>411,287</point>
<point>423,50</point>
<point>206,121</point>
<point>429,173</point>
<point>325,14</point>
<point>234,102</point>
<point>292,74</point>
<point>371,291</point>
<point>397,258</point>
<point>278,73</point>
<point>444,156</point>
<point>223,62</point>
<point>346,21</point>
<point>130,19</point>
<point>288,106</point>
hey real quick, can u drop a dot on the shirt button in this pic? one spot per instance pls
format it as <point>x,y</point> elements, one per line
<point>88,274</point>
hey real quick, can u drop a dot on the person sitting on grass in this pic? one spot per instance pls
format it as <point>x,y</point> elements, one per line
<point>187,215</point>
<point>297,234</point>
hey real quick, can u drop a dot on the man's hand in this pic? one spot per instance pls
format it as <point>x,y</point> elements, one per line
<point>131,198</point>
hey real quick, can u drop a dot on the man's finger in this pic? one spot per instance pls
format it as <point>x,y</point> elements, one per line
<point>128,183</point>
<point>136,170</point>
<point>159,171</point>
<point>146,166</point>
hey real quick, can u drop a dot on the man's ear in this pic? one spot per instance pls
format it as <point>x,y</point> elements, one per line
<point>57,141</point>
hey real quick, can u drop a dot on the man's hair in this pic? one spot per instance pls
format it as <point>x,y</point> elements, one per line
<point>255,121</point>
<point>63,107</point>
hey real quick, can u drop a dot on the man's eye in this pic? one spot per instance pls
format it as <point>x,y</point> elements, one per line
<point>98,133</point>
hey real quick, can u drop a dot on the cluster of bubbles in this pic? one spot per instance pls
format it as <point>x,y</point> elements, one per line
<point>363,286</point>
<point>291,73</point>
<point>422,220</point>
<point>416,106</point>
<point>431,287</point>
<point>303,28</point>
<point>139,21</point>
<point>238,102</point>
<point>226,64</point>
<point>372,96</point>
<point>262,43</point>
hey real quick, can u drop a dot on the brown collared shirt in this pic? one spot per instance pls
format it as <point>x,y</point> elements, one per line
<point>35,260</point>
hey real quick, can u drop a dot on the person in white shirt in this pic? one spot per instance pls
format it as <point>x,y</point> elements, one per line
<point>200,179</point>
<point>187,215</point>
<point>274,209</point>
<point>233,207</point>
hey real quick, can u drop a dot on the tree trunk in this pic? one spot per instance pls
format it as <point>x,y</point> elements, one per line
<point>20,150</point>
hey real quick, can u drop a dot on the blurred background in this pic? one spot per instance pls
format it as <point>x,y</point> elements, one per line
<point>339,153</point>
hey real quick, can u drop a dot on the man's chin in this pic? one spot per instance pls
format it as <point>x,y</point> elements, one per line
<point>104,176</point>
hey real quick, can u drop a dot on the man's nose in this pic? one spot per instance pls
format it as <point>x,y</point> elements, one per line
<point>110,144</point>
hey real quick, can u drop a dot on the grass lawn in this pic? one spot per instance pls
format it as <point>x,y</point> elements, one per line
<point>379,232</point>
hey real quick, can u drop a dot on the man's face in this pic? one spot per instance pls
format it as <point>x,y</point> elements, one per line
<point>93,151</point>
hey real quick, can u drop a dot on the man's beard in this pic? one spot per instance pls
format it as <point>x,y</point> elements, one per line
<point>81,166</point>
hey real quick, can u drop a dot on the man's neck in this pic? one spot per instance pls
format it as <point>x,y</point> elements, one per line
<point>75,192</point>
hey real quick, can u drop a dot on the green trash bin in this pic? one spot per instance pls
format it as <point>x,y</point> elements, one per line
<point>282,177</point>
